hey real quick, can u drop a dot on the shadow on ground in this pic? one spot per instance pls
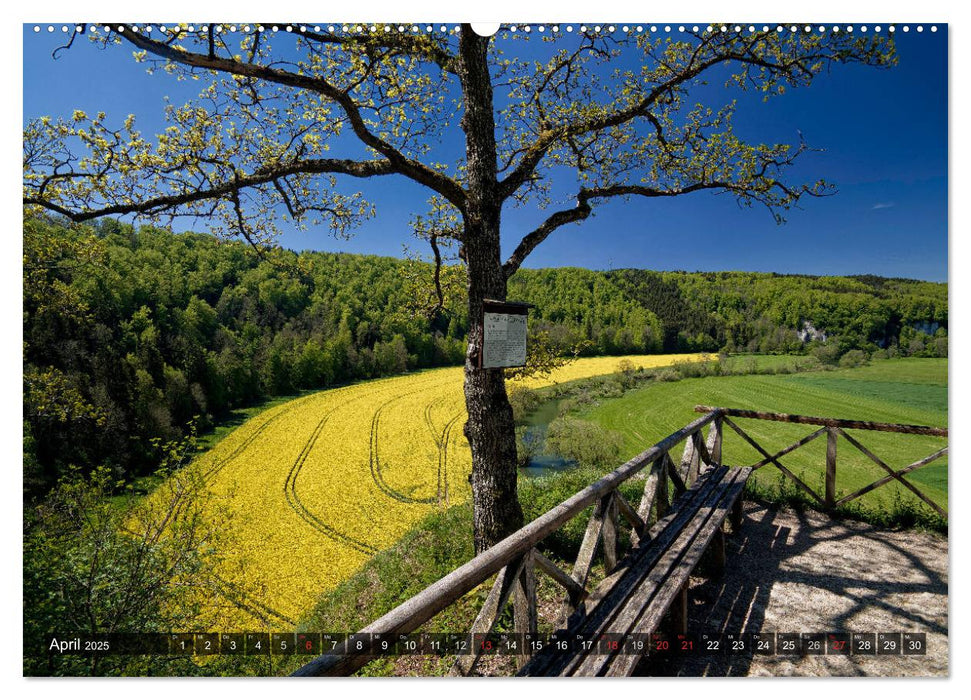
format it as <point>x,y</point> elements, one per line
<point>793,571</point>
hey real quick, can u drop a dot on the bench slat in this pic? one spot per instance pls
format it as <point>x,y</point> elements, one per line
<point>615,588</point>
<point>664,578</point>
<point>650,615</point>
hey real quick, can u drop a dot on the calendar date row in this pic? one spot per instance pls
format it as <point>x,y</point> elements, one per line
<point>658,645</point>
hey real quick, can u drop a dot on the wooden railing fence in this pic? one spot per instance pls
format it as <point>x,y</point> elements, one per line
<point>834,428</point>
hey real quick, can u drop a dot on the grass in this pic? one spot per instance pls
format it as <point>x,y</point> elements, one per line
<point>758,364</point>
<point>908,390</point>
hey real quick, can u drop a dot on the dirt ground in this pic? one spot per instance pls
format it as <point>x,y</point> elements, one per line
<point>803,572</point>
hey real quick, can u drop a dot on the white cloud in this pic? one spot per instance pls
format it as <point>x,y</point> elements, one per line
<point>882,205</point>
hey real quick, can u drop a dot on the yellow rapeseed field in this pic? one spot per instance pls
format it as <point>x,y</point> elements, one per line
<point>307,491</point>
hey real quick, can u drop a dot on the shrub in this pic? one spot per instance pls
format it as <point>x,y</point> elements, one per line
<point>526,446</point>
<point>853,358</point>
<point>523,401</point>
<point>96,561</point>
<point>583,441</point>
<point>667,375</point>
<point>627,372</point>
<point>611,389</point>
<point>826,353</point>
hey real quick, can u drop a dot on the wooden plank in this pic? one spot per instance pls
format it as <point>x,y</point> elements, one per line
<point>609,535</point>
<point>900,472</point>
<point>714,443</point>
<point>794,446</point>
<point>630,515</point>
<point>653,571</point>
<point>853,441</point>
<point>661,535</point>
<point>486,619</point>
<point>830,497</point>
<point>662,581</point>
<point>668,587</point>
<point>830,422</point>
<point>689,461</point>
<point>776,462</point>
<point>525,617</point>
<point>414,612</point>
<point>577,591</point>
<point>615,587</point>
<point>679,485</point>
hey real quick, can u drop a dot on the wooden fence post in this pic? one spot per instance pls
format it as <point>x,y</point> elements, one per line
<point>690,459</point>
<point>610,535</point>
<point>662,502</point>
<point>525,618</point>
<point>652,488</point>
<point>679,611</point>
<point>716,449</point>
<point>830,496</point>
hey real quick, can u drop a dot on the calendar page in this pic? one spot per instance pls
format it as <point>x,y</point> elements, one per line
<point>284,415</point>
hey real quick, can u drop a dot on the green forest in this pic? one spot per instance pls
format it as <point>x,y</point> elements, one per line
<point>132,335</point>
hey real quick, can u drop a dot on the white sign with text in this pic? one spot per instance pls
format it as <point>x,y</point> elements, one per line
<point>504,342</point>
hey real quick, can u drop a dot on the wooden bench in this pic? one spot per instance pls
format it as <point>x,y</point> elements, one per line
<point>654,575</point>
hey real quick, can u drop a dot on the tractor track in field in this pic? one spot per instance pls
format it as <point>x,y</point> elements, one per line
<point>218,466</point>
<point>441,439</point>
<point>241,600</point>
<point>374,461</point>
<point>443,458</point>
<point>427,416</point>
<point>308,516</point>
<point>304,513</point>
<point>237,597</point>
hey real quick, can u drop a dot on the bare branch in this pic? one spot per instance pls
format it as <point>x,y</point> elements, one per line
<point>419,46</point>
<point>228,188</point>
<point>583,209</point>
<point>758,51</point>
<point>411,168</point>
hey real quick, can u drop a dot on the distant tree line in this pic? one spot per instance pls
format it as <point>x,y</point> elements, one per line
<point>131,334</point>
<point>628,310</point>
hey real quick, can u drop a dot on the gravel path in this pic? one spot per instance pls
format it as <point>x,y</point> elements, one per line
<point>803,572</point>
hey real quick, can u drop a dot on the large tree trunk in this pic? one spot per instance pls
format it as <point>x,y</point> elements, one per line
<point>490,429</point>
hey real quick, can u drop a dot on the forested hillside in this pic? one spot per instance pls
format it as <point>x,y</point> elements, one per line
<point>129,335</point>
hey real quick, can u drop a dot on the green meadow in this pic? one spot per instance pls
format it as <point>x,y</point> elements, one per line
<point>912,390</point>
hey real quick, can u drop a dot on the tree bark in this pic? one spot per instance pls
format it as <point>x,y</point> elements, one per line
<point>490,429</point>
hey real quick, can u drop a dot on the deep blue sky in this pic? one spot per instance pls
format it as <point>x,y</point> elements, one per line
<point>884,135</point>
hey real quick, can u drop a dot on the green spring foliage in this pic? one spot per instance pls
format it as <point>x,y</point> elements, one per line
<point>131,334</point>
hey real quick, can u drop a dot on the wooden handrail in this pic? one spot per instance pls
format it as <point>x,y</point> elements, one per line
<point>829,422</point>
<point>834,428</point>
<point>414,612</point>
